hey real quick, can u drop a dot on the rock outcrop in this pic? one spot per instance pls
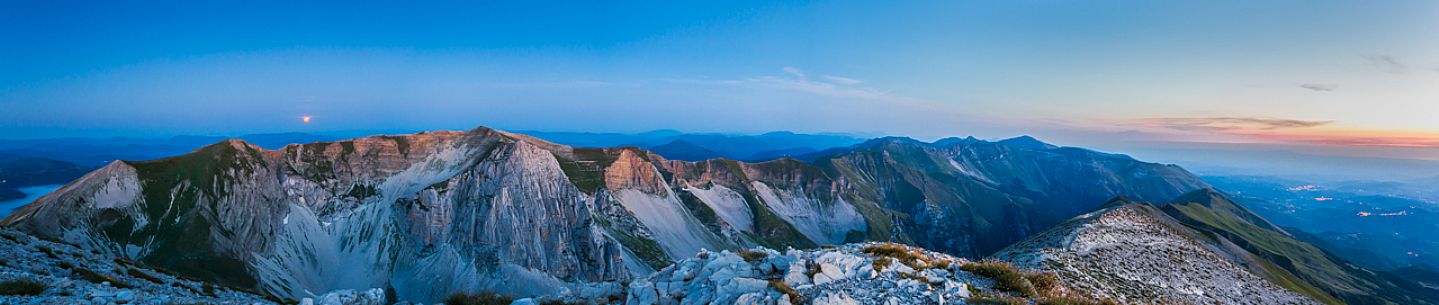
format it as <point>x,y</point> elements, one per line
<point>59,273</point>
<point>1135,253</point>
<point>838,275</point>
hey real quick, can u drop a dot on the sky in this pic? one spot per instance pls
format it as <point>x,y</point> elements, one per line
<point>1349,77</point>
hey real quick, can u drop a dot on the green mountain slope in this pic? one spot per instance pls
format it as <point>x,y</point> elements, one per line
<point>1290,262</point>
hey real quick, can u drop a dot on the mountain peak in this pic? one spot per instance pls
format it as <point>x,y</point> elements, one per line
<point>890,140</point>
<point>684,150</point>
<point>1026,141</point>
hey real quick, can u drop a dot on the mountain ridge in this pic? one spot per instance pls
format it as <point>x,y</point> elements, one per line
<point>434,204</point>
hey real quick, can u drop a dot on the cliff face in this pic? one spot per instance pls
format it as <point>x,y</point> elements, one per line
<point>438,212</point>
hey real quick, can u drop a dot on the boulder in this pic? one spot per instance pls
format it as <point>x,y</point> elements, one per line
<point>373,296</point>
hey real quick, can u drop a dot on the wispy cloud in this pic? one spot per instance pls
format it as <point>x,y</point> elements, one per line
<point>1226,123</point>
<point>1285,131</point>
<point>1388,64</point>
<point>796,72</point>
<point>1356,139</point>
<point>1320,87</point>
<point>842,80</point>
<point>797,80</point>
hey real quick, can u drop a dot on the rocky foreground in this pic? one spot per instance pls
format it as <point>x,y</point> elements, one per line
<point>35,271</point>
<point>868,273</point>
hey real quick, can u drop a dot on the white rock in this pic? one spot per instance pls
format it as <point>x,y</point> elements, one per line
<point>124,296</point>
<point>524,301</point>
<point>642,292</point>
<point>828,273</point>
<point>834,298</point>
<point>753,298</point>
<point>958,289</point>
<point>795,277</point>
<point>374,296</point>
<point>732,289</point>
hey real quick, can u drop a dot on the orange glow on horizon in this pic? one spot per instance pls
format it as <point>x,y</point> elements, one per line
<point>1345,137</point>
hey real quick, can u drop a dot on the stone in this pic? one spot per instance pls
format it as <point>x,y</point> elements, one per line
<point>794,277</point>
<point>642,292</point>
<point>374,296</point>
<point>834,298</point>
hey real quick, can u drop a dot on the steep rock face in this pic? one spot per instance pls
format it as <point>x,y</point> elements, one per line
<point>1133,252</point>
<point>456,209</point>
<point>438,212</point>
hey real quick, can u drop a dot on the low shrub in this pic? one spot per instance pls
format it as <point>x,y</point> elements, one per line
<point>794,296</point>
<point>482,298</point>
<point>21,287</point>
<point>1045,284</point>
<point>1073,300</point>
<point>751,255</point>
<point>48,252</point>
<point>1006,277</point>
<point>143,275</point>
<point>96,277</point>
<point>995,300</point>
<point>898,252</point>
<point>880,263</point>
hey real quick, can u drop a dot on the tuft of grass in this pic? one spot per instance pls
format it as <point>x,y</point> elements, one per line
<point>48,252</point>
<point>1073,300</point>
<point>880,263</point>
<point>900,253</point>
<point>996,300</point>
<point>26,287</point>
<point>96,277</point>
<point>143,275</point>
<point>1006,277</point>
<point>751,255</point>
<point>794,296</point>
<point>1044,283</point>
<point>482,298</point>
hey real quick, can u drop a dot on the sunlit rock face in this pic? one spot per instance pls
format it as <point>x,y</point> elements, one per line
<point>428,214</point>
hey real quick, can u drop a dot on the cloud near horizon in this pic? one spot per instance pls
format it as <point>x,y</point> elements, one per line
<point>1320,87</point>
<point>1310,132</point>
<point>1226,123</point>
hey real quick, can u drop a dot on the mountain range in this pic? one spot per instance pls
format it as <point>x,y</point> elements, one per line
<point>426,215</point>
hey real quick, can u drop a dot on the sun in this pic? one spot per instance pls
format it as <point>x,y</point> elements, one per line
<point>305,119</point>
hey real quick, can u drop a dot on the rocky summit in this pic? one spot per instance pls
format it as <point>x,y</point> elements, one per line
<point>36,271</point>
<point>1135,253</point>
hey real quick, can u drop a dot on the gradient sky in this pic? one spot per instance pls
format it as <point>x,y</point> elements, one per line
<point>1345,75</point>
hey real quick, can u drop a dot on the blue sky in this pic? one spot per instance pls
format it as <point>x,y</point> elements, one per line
<point>1322,73</point>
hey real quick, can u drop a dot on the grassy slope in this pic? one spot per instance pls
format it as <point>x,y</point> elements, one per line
<point>1267,244</point>
<point>182,233</point>
<point>1297,265</point>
